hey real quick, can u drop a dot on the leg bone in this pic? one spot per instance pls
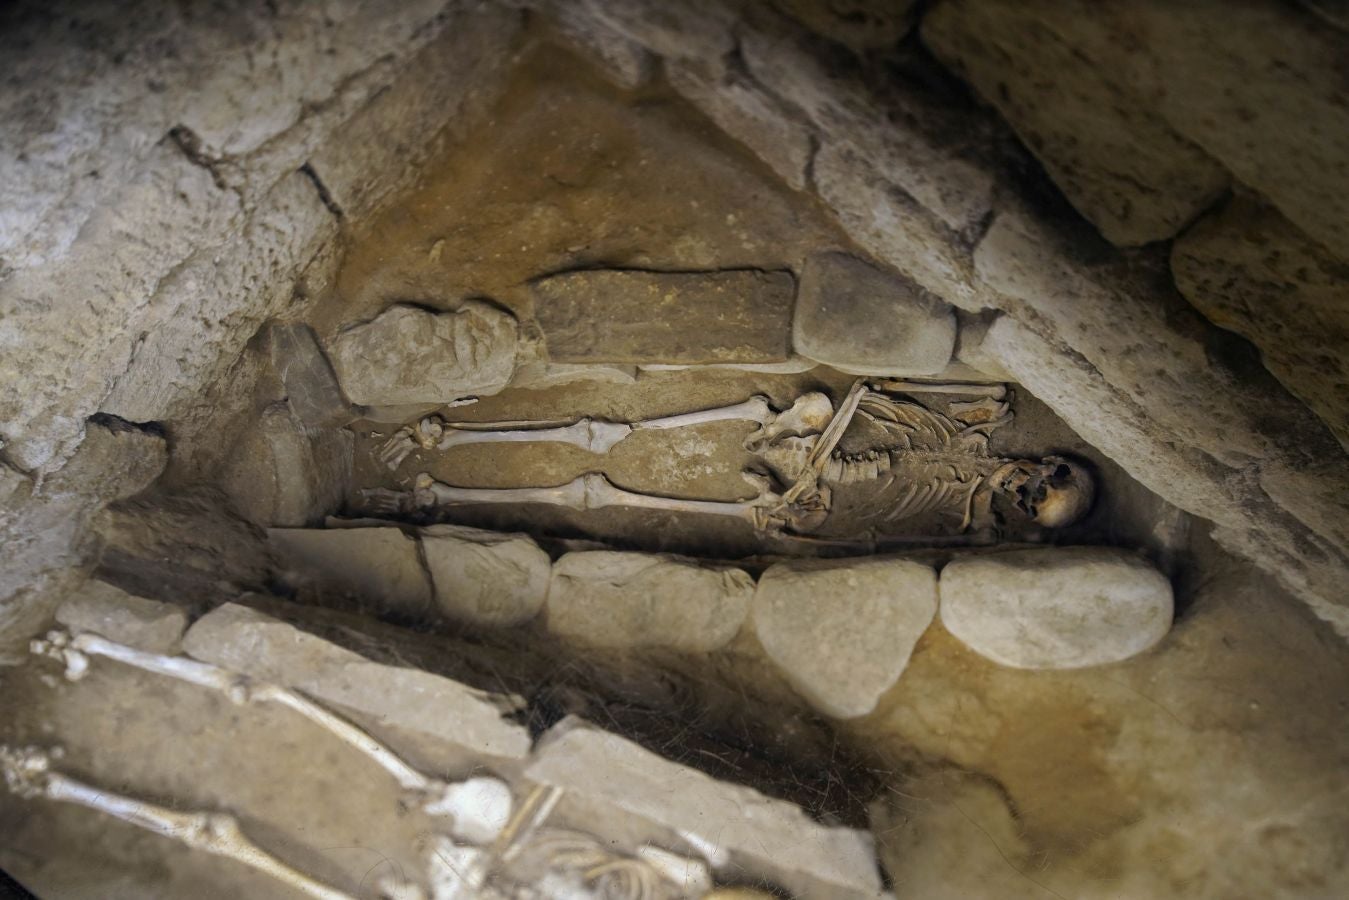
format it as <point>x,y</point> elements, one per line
<point>28,772</point>
<point>755,409</point>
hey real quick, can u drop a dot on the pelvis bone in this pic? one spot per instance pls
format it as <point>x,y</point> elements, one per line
<point>896,458</point>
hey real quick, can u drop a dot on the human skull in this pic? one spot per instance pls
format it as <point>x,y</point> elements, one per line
<point>1053,492</point>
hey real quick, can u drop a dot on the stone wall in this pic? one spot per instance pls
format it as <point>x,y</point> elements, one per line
<point>170,178</point>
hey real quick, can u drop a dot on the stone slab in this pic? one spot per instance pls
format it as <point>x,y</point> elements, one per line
<point>622,316</point>
<point>307,377</point>
<point>407,354</point>
<point>760,839</point>
<point>411,701</point>
<point>842,632</point>
<point>485,577</point>
<point>1056,607</point>
<point>106,610</point>
<point>632,600</point>
<point>379,566</point>
<point>861,320</point>
<point>284,474</point>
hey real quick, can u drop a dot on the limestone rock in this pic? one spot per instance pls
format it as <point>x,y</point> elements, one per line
<point>1117,160</point>
<point>746,112</point>
<point>125,618</point>
<point>283,474</point>
<point>860,25</point>
<point>485,577</point>
<point>410,701</point>
<point>115,460</point>
<point>1056,607</point>
<point>617,316</point>
<point>624,60</point>
<point>841,632</point>
<point>378,566</point>
<point>1250,270</point>
<point>632,600</point>
<point>195,325</point>
<point>701,29</point>
<point>311,387</point>
<point>858,319</point>
<point>411,355</point>
<point>761,839</point>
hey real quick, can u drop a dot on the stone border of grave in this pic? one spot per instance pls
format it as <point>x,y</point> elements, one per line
<point>840,632</point>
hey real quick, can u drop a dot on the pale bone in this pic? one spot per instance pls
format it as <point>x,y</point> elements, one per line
<point>593,435</point>
<point>588,492</point>
<point>436,796</point>
<point>29,774</point>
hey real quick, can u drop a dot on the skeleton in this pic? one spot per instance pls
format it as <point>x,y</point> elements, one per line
<point>897,459</point>
<point>488,833</point>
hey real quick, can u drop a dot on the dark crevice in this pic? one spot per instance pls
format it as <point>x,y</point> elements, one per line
<point>325,196</point>
<point>193,148</point>
<point>118,425</point>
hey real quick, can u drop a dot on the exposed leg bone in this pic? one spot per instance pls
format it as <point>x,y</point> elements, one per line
<point>755,409</point>
<point>435,796</point>
<point>588,434</point>
<point>29,774</point>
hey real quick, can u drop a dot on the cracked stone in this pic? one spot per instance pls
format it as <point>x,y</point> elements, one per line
<point>109,611</point>
<point>379,568</point>
<point>485,577</point>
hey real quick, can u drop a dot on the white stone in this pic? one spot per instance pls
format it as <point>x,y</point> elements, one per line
<point>540,375</point>
<point>861,320</point>
<point>485,577</point>
<point>411,355</point>
<point>842,631</point>
<point>757,838</point>
<point>379,566</point>
<point>610,599</point>
<point>106,610</point>
<point>1056,607</point>
<point>410,701</point>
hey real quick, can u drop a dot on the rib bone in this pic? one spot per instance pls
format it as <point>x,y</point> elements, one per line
<point>29,774</point>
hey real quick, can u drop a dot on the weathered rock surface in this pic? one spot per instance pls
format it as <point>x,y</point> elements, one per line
<point>118,616</point>
<point>1056,607</point>
<point>409,701</point>
<point>1117,160</point>
<point>761,839</point>
<point>745,112</point>
<point>1250,270</point>
<point>310,385</point>
<point>283,474</point>
<point>633,600</point>
<point>613,315</point>
<point>115,460</point>
<point>859,25</point>
<point>379,567</point>
<point>841,632</point>
<point>485,577</point>
<point>411,355</point>
<point>861,320</point>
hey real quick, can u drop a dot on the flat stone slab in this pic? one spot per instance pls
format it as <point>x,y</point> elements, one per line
<point>610,599</point>
<point>107,610</point>
<point>841,632</point>
<point>377,565</point>
<point>858,319</point>
<point>759,838</point>
<point>485,577</point>
<point>410,700</point>
<point>407,354</point>
<point>1056,607</point>
<point>621,316</point>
